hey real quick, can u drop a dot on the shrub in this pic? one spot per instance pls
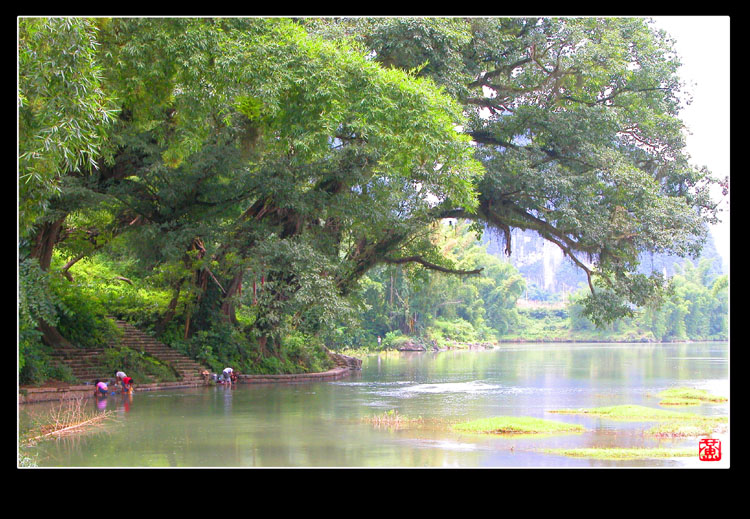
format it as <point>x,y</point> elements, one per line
<point>39,366</point>
<point>216,348</point>
<point>142,367</point>
<point>82,317</point>
<point>269,366</point>
<point>458,330</point>
<point>305,352</point>
<point>394,339</point>
<point>35,303</point>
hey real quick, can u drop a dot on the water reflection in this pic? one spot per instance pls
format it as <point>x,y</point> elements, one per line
<point>322,424</point>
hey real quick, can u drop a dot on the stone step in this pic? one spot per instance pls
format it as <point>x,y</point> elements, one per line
<point>83,362</point>
<point>82,355</point>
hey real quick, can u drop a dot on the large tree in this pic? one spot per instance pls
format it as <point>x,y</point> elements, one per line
<point>576,121</point>
<point>63,118</point>
<point>241,139</point>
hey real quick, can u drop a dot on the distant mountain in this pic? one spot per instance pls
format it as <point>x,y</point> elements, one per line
<point>546,270</point>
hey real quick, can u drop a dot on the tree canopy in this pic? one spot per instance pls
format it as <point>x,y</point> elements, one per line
<point>576,122</point>
<point>290,157</point>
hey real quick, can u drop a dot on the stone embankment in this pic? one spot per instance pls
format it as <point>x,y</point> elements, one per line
<point>83,364</point>
<point>344,365</point>
<point>411,345</point>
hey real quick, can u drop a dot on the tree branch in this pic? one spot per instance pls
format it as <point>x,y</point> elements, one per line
<point>432,266</point>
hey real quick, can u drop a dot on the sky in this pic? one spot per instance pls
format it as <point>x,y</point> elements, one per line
<point>702,43</point>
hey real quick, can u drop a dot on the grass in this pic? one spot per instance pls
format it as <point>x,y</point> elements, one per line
<point>70,417</point>
<point>517,425</point>
<point>631,412</point>
<point>681,428</point>
<point>680,402</point>
<point>674,423</point>
<point>392,419</point>
<point>623,453</point>
<point>686,396</point>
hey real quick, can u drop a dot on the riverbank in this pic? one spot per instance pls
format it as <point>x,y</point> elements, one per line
<point>58,391</point>
<point>54,391</point>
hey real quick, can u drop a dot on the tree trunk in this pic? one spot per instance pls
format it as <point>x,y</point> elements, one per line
<point>262,343</point>
<point>52,337</point>
<point>227,305</point>
<point>41,250</point>
<point>44,242</point>
<point>171,309</point>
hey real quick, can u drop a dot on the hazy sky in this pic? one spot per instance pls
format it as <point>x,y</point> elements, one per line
<point>702,42</point>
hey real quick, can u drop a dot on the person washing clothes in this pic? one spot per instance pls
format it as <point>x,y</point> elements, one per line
<point>101,388</point>
<point>119,376</point>
<point>127,385</point>
<point>227,373</point>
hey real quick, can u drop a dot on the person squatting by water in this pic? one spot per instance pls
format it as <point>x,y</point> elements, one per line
<point>127,385</point>
<point>101,388</point>
<point>119,375</point>
<point>126,382</point>
<point>100,394</point>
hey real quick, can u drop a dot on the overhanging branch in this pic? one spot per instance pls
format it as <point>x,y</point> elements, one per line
<point>432,266</point>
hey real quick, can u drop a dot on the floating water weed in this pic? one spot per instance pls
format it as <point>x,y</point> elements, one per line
<point>517,425</point>
<point>699,427</point>
<point>623,453</point>
<point>686,396</point>
<point>630,412</point>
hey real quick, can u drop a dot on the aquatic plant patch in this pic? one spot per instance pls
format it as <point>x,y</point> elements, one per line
<point>688,396</point>
<point>517,425</point>
<point>680,402</point>
<point>674,423</point>
<point>682,428</point>
<point>623,453</point>
<point>630,412</point>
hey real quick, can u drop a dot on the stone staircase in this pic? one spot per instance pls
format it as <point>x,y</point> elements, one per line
<point>83,362</point>
<point>133,338</point>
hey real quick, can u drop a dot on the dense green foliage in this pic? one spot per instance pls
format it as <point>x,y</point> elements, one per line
<point>63,112</point>
<point>695,309</point>
<point>252,189</point>
<point>402,304</point>
<point>404,300</point>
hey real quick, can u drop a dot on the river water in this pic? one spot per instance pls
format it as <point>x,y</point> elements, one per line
<point>324,424</point>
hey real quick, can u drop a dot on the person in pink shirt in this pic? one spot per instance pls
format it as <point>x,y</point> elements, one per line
<point>101,388</point>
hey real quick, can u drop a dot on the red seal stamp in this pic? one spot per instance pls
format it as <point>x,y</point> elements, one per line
<point>709,449</point>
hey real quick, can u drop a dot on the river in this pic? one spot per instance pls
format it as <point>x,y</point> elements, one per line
<point>324,424</point>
